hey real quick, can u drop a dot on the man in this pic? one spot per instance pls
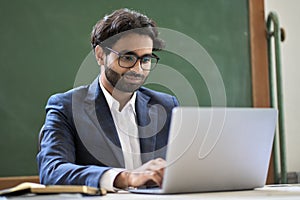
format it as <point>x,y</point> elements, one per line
<point>112,133</point>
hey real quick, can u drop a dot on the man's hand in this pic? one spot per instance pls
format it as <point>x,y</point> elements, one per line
<point>150,173</point>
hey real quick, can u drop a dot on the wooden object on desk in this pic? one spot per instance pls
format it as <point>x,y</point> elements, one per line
<point>7,182</point>
<point>28,187</point>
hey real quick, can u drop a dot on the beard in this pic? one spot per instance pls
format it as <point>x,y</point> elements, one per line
<point>122,81</point>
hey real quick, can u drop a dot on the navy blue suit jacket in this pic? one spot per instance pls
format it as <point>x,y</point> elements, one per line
<point>80,141</point>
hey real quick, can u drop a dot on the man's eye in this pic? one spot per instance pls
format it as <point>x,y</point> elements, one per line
<point>128,58</point>
<point>146,59</point>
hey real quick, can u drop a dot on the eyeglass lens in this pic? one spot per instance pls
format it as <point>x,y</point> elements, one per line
<point>146,62</point>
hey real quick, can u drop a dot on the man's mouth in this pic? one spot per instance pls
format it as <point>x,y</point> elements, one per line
<point>133,77</point>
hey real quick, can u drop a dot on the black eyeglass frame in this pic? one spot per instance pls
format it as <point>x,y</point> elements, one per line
<point>152,55</point>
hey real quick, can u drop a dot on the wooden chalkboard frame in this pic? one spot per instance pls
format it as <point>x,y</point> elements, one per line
<point>259,62</point>
<point>258,59</point>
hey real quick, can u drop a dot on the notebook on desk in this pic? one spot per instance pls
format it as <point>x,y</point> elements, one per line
<point>217,149</point>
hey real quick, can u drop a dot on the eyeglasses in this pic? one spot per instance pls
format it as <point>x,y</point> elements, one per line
<point>129,59</point>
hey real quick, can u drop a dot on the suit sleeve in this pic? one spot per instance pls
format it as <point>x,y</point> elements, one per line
<point>56,158</point>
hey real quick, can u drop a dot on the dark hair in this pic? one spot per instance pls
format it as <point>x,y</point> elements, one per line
<point>124,21</point>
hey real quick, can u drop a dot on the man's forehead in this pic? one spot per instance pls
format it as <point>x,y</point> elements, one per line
<point>133,42</point>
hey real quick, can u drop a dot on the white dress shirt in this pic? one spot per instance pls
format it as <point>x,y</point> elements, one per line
<point>127,129</point>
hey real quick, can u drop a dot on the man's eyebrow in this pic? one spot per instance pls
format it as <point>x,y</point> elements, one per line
<point>128,52</point>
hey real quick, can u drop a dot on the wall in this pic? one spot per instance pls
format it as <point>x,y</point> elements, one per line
<point>288,14</point>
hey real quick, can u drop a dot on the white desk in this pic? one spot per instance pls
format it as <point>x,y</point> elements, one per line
<point>251,194</point>
<point>279,193</point>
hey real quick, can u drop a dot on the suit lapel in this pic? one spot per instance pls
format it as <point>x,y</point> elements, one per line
<point>147,126</point>
<point>99,113</point>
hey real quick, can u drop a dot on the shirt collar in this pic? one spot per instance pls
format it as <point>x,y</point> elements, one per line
<point>113,103</point>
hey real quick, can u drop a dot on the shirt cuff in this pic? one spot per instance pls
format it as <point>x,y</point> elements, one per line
<point>108,178</point>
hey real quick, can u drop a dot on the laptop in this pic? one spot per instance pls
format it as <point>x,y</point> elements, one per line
<point>217,149</point>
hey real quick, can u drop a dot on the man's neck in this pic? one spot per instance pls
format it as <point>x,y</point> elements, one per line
<point>121,97</point>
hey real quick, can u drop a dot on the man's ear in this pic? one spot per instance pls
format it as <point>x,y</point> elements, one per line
<point>100,55</point>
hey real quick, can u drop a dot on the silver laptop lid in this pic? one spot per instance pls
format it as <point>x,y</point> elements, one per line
<point>217,149</point>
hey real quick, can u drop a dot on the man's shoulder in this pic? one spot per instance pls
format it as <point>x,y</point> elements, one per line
<point>66,98</point>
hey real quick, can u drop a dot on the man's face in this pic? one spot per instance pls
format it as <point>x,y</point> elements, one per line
<point>128,79</point>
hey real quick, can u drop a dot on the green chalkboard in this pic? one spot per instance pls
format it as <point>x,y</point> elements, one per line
<point>44,47</point>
